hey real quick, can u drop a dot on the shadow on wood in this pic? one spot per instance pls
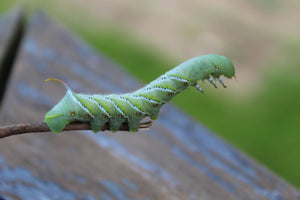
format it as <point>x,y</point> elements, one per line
<point>11,30</point>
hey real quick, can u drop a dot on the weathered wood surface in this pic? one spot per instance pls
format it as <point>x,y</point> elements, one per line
<point>10,28</point>
<point>176,159</point>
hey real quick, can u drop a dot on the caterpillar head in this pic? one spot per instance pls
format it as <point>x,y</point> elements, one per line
<point>220,65</point>
<point>223,66</point>
<point>209,67</point>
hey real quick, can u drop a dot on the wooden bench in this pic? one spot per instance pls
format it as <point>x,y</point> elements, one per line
<point>176,159</point>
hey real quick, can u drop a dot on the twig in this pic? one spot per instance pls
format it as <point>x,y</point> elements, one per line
<point>17,129</point>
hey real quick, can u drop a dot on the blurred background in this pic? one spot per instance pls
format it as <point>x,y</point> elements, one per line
<point>259,112</point>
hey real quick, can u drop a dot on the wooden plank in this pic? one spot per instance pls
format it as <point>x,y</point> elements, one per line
<point>10,30</point>
<point>177,159</point>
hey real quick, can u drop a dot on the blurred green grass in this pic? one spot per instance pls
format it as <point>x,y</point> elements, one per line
<point>265,124</point>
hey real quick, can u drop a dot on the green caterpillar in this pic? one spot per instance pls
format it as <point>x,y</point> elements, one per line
<point>131,108</point>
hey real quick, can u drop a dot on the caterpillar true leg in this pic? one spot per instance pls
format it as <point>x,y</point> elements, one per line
<point>199,88</point>
<point>222,83</point>
<point>212,81</point>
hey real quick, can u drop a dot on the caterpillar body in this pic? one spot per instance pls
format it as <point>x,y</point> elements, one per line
<point>132,107</point>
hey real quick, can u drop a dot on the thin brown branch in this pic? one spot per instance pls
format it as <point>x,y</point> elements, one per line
<point>17,129</point>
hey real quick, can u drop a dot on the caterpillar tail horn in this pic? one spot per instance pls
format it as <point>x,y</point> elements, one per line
<point>55,118</point>
<point>59,81</point>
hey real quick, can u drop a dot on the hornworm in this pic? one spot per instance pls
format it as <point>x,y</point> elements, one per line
<point>132,107</point>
